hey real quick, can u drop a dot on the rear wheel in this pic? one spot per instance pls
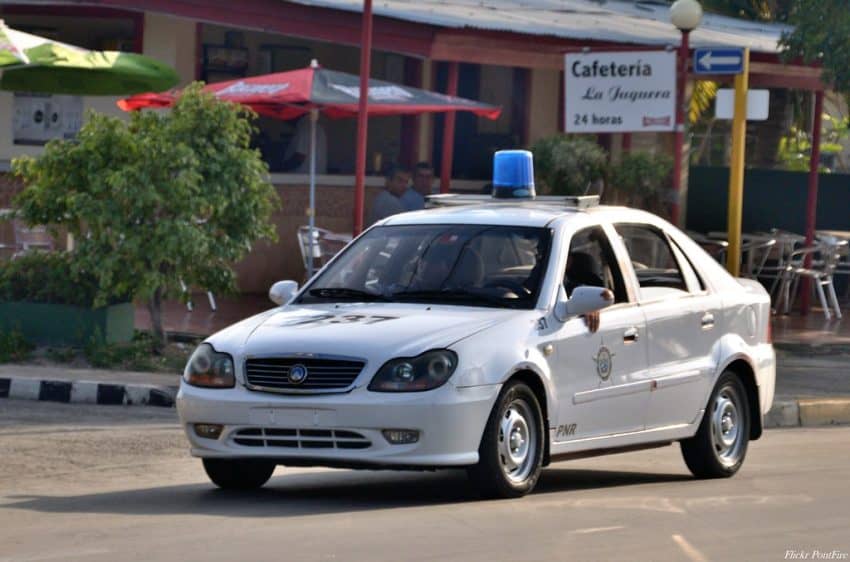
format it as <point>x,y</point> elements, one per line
<point>720,445</point>
<point>511,450</point>
<point>238,474</point>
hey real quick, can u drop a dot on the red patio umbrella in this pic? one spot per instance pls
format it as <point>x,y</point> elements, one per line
<point>288,95</point>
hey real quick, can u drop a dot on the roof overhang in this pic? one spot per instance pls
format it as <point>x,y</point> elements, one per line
<point>531,34</point>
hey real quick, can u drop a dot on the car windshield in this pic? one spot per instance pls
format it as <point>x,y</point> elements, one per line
<point>472,265</point>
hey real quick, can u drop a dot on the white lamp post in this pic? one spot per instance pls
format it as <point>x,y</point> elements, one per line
<point>685,15</point>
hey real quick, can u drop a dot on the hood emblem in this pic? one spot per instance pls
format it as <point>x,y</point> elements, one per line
<point>298,373</point>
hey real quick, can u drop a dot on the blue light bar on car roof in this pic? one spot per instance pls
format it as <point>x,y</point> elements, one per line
<point>513,175</point>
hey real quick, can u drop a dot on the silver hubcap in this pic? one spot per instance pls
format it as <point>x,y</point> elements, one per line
<point>517,441</point>
<point>726,427</point>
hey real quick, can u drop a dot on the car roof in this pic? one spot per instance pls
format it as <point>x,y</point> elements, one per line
<point>527,213</point>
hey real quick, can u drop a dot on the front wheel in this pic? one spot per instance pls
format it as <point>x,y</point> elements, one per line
<point>720,445</point>
<point>238,474</point>
<point>511,450</point>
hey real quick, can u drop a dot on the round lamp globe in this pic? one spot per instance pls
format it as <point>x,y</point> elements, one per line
<point>686,14</point>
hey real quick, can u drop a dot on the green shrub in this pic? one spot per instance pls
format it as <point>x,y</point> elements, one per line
<point>641,178</point>
<point>568,165</point>
<point>13,347</point>
<point>49,278</point>
<point>140,354</point>
<point>61,354</point>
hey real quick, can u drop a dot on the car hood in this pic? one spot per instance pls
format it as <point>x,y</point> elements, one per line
<point>357,329</point>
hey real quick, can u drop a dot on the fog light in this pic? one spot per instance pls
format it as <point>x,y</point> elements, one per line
<point>401,436</point>
<point>208,430</point>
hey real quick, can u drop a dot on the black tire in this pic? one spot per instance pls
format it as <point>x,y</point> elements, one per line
<point>239,474</point>
<point>491,474</point>
<point>708,454</point>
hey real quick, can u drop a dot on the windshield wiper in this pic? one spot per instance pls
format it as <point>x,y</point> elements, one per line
<point>345,293</point>
<point>456,295</point>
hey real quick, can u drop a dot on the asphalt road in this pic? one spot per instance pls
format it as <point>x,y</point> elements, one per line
<point>112,483</point>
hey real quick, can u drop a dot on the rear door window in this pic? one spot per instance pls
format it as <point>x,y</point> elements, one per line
<point>656,268</point>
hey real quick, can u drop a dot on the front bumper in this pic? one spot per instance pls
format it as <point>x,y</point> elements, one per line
<point>450,422</point>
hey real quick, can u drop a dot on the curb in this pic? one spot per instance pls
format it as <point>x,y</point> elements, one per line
<point>808,412</point>
<point>87,392</point>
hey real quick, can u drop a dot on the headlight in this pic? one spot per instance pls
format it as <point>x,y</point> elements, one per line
<point>209,368</point>
<point>429,370</point>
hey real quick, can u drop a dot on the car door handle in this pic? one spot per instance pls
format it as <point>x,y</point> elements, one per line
<point>630,335</point>
<point>707,321</point>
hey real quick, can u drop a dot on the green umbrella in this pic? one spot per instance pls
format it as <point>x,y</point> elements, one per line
<point>29,63</point>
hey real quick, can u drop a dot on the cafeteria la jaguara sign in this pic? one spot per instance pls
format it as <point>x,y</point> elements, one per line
<point>620,92</point>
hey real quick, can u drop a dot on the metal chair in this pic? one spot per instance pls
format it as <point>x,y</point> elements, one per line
<point>190,305</point>
<point>779,257</point>
<point>716,248</point>
<point>820,272</point>
<point>324,245</point>
<point>311,251</point>
<point>29,238</point>
<point>754,254</point>
<point>842,268</point>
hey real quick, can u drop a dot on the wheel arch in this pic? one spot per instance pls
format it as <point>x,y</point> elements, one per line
<point>741,366</point>
<point>535,382</point>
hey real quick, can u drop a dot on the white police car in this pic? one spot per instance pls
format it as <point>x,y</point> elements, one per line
<point>496,335</point>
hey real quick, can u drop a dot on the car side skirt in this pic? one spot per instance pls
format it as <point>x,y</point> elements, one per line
<point>620,440</point>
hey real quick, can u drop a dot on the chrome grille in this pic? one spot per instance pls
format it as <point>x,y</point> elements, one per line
<point>272,374</point>
<point>301,438</point>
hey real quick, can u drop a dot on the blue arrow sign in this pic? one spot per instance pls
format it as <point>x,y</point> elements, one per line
<point>718,60</point>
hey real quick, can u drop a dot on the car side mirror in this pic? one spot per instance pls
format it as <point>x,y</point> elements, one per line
<point>583,300</point>
<point>283,291</point>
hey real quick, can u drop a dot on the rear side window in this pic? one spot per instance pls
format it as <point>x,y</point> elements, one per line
<point>657,270</point>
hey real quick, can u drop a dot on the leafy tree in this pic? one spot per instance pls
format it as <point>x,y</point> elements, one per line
<point>822,35</point>
<point>568,165</point>
<point>763,10</point>
<point>795,148</point>
<point>156,200</point>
